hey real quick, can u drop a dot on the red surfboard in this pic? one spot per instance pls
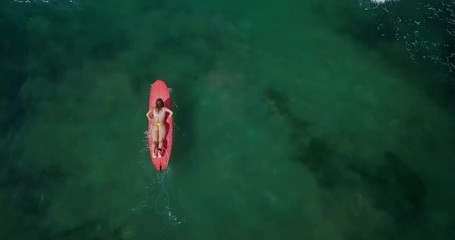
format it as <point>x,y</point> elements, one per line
<point>159,89</point>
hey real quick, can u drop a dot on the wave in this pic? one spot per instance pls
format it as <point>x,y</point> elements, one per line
<point>425,28</point>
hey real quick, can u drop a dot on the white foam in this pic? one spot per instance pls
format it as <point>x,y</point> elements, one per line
<point>380,1</point>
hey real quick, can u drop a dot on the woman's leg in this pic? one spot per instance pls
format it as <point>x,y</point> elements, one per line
<point>154,139</point>
<point>161,135</point>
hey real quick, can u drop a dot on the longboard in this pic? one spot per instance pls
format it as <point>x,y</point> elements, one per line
<point>159,89</point>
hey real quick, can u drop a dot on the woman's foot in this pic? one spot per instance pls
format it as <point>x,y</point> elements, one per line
<point>154,155</point>
<point>159,153</point>
<point>154,148</point>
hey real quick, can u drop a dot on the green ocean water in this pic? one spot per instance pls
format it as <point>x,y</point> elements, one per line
<point>293,119</point>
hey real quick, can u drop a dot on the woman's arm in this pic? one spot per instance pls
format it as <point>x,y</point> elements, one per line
<point>169,111</point>
<point>148,114</point>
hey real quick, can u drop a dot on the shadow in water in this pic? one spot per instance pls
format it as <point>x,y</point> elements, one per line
<point>393,186</point>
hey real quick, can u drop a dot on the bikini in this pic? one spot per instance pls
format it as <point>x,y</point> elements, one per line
<point>155,115</point>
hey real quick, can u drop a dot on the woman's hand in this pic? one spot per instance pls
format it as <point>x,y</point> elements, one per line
<point>169,111</point>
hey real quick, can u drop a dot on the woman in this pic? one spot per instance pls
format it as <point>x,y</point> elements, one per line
<point>158,128</point>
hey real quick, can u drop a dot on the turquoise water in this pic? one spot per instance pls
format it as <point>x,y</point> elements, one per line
<point>293,120</point>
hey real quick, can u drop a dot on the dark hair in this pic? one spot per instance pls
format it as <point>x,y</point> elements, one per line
<point>159,104</point>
